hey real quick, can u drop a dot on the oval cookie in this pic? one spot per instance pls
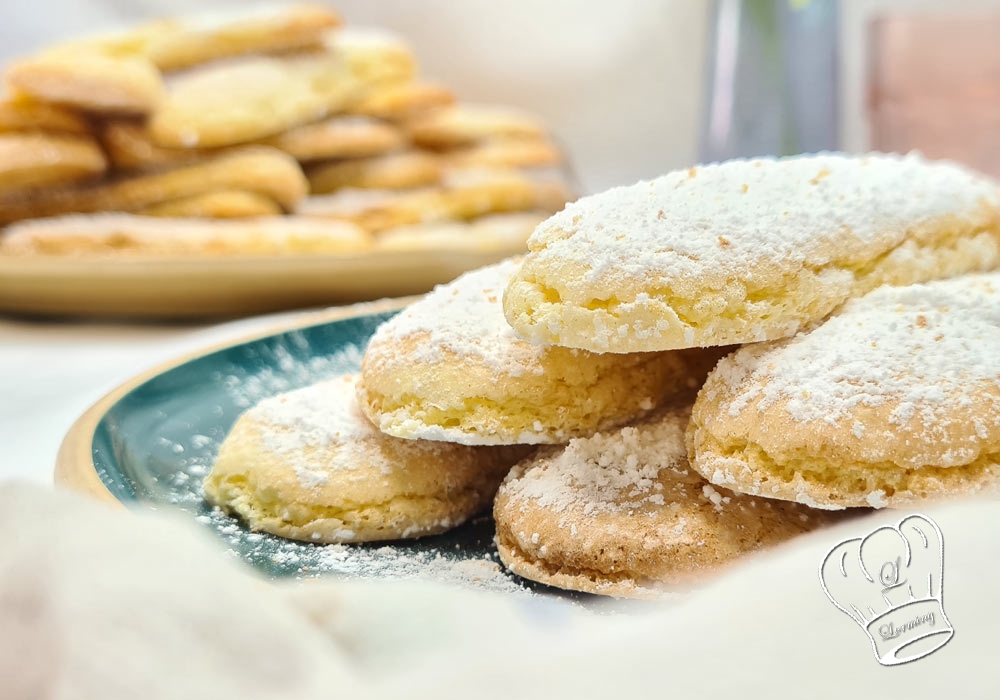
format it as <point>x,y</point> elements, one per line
<point>450,368</point>
<point>892,402</point>
<point>621,513</point>
<point>747,250</point>
<point>308,465</point>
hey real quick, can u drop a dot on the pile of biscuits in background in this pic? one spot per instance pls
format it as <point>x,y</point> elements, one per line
<point>679,373</point>
<point>272,133</point>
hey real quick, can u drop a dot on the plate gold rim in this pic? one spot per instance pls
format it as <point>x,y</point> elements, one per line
<point>75,468</point>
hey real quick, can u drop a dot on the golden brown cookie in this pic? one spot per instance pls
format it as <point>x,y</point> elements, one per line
<point>374,56</point>
<point>343,136</point>
<point>267,31</point>
<point>402,170</point>
<point>257,169</point>
<point>29,115</point>
<point>130,147</point>
<point>250,98</point>
<point>450,368</point>
<point>622,514</point>
<point>33,160</point>
<point>747,250</point>
<point>219,204</point>
<point>493,232</point>
<point>114,234</point>
<point>403,100</point>
<point>89,76</point>
<point>892,402</point>
<point>461,196</point>
<point>309,466</point>
<point>465,124</point>
<point>505,153</point>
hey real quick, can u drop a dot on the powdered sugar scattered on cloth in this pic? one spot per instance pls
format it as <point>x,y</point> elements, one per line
<point>464,317</point>
<point>716,220</point>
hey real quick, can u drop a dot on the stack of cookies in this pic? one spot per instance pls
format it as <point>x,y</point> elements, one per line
<point>279,132</point>
<point>678,374</point>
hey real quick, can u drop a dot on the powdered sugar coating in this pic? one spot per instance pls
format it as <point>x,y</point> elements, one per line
<point>922,352</point>
<point>718,219</point>
<point>465,318</point>
<point>611,472</point>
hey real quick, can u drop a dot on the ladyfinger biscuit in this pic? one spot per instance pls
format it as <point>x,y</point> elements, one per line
<point>621,513</point>
<point>747,250</point>
<point>91,78</point>
<point>892,402</point>
<point>308,465</point>
<point>33,160</point>
<point>344,136</point>
<point>268,31</point>
<point>250,98</point>
<point>221,204</point>
<point>30,115</point>
<point>131,235</point>
<point>449,368</point>
<point>258,169</point>
<point>402,100</point>
<point>374,56</point>
<point>393,171</point>
<point>465,124</point>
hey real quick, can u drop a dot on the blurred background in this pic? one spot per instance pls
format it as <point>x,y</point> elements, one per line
<point>638,87</point>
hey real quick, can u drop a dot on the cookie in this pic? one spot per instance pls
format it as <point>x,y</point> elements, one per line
<point>403,100</point>
<point>29,115</point>
<point>260,170</point>
<point>621,513</point>
<point>457,198</point>
<point>892,402</point>
<point>493,232</point>
<point>246,99</point>
<point>450,368</point>
<point>309,466</point>
<point>339,137</point>
<point>402,170</point>
<point>33,160</point>
<point>747,250</point>
<point>505,153</point>
<point>268,31</point>
<point>220,204</point>
<point>465,124</point>
<point>374,56</point>
<point>90,77</point>
<point>131,235</point>
<point>130,147</point>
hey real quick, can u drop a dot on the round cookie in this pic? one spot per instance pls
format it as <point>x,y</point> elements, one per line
<point>622,514</point>
<point>747,250</point>
<point>309,466</point>
<point>892,402</point>
<point>450,368</point>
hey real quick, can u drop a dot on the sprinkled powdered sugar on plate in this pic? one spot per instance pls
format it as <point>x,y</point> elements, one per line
<point>459,559</point>
<point>716,219</point>
<point>476,326</point>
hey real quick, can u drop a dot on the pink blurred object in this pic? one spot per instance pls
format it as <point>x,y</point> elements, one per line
<point>934,85</point>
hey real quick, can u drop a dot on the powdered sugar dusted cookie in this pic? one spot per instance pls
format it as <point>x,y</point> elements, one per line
<point>892,402</point>
<point>450,368</point>
<point>309,466</point>
<point>621,513</point>
<point>747,250</point>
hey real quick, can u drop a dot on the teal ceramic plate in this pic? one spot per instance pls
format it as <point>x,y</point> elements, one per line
<point>154,439</point>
